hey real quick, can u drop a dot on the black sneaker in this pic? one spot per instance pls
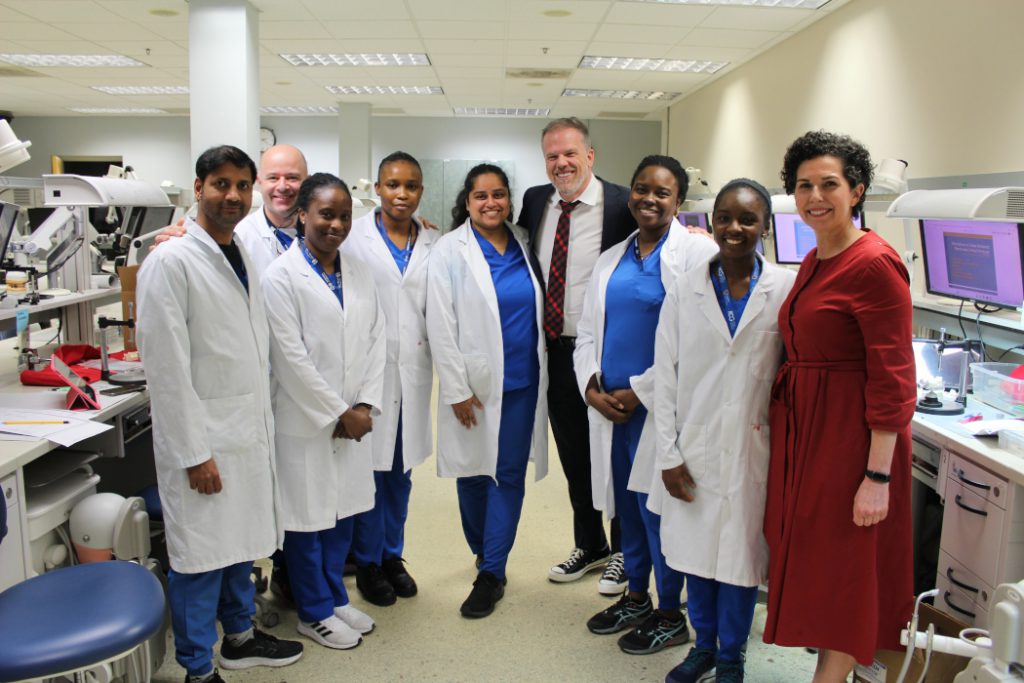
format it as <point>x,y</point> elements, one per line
<point>622,614</point>
<point>655,634</point>
<point>214,678</point>
<point>579,563</point>
<point>729,672</point>
<point>262,649</point>
<point>400,580</point>
<point>696,666</point>
<point>374,585</point>
<point>487,590</point>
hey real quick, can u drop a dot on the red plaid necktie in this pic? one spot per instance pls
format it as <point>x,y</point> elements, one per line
<point>554,299</point>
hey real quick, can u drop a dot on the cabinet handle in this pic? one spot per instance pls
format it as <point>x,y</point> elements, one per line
<point>959,584</point>
<point>976,511</point>
<point>953,607</point>
<point>975,484</point>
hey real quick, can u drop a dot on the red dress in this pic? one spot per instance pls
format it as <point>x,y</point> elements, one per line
<point>847,329</point>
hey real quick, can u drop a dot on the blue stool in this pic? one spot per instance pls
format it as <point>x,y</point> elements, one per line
<point>71,619</point>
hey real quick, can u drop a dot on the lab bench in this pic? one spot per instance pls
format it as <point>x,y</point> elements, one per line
<point>129,417</point>
<point>982,519</point>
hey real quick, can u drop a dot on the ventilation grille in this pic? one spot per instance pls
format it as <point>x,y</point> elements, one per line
<point>538,74</point>
<point>1015,204</point>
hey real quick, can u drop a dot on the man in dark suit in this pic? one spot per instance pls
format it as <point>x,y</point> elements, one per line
<point>570,222</point>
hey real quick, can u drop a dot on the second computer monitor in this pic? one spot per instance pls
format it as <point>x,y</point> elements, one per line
<point>794,239</point>
<point>974,260</point>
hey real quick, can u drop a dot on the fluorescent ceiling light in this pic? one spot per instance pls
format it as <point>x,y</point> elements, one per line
<point>500,111</point>
<point>142,89</point>
<point>695,66</point>
<point>357,59</point>
<point>621,94</point>
<point>311,109</point>
<point>117,110</point>
<point>787,4</point>
<point>385,89</point>
<point>39,60</point>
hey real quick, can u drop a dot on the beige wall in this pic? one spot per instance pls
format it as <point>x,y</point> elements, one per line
<point>939,83</point>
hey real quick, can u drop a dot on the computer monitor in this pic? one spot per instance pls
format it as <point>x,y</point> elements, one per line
<point>694,218</point>
<point>794,239</point>
<point>974,260</point>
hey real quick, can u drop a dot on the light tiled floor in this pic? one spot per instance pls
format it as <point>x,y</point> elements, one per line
<point>537,632</point>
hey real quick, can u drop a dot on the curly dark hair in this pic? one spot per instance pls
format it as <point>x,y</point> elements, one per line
<point>459,212</point>
<point>671,165</point>
<point>856,161</point>
<point>314,183</point>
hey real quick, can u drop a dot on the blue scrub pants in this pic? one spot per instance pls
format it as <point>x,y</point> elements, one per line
<point>197,601</point>
<point>721,614</point>
<point>316,566</point>
<point>641,528</point>
<point>380,533</point>
<point>490,511</point>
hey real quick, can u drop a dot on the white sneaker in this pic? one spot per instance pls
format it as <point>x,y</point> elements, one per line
<point>356,619</point>
<point>613,579</point>
<point>331,632</point>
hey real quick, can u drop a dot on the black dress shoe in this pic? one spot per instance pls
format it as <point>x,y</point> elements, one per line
<point>487,590</point>
<point>404,585</point>
<point>374,585</point>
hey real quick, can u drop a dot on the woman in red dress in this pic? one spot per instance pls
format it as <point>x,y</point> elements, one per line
<point>837,518</point>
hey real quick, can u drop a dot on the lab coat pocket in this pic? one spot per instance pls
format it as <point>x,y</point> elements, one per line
<point>693,446</point>
<point>758,449</point>
<point>766,351</point>
<point>230,425</point>
<point>478,374</point>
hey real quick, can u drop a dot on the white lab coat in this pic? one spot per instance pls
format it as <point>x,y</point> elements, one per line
<point>464,327</point>
<point>682,250</point>
<point>711,412</point>
<point>259,240</point>
<point>408,374</point>
<point>324,360</point>
<point>205,345</point>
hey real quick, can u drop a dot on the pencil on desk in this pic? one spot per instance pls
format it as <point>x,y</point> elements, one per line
<point>35,422</point>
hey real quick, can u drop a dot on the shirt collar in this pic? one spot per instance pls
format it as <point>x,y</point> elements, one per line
<point>591,196</point>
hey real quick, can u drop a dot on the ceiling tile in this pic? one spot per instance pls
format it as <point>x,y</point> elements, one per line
<point>457,72</point>
<point>377,30</point>
<point>756,18</point>
<point>8,13</point>
<point>458,10</point>
<point>716,54</point>
<point>34,31</point>
<point>631,33</point>
<point>553,31</point>
<point>658,14</point>
<point>139,10</point>
<point>476,30</point>
<point>585,11</point>
<point>327,45</point>
<point>552,47</point>
<point>601,48</point>
<point>714,37</point>
<point>345,10</point>
<point>459,47</point>
<point>67,10</point>
<point>298,30</point>
<point>486,59</point>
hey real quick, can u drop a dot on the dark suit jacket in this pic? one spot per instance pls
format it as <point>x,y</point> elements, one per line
<point>617,224</point>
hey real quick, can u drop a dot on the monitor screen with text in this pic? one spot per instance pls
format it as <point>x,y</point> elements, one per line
<point>974,260</point>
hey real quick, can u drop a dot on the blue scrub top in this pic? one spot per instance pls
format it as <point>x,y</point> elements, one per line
<point>632,305</point>
<point>517,309</point>
<point>401,256</point>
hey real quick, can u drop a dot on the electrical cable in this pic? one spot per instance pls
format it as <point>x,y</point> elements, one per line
<point>960,319</point>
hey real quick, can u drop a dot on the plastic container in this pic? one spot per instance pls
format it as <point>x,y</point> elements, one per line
<point>994,385</point>
<point>1012,441</point>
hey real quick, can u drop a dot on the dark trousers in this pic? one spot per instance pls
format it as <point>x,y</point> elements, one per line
<point>568,415</point>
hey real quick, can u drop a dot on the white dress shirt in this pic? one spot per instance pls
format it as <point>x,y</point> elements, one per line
<point>585,226</point>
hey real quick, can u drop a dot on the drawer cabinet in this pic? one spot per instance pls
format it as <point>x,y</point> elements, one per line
<point>12,548</point>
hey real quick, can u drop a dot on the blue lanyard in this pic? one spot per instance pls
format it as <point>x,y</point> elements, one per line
<point>732,308</point>
<point>333,280</point>
<point>401,256</point>
<point>281,235</point>
<point>636,249</point>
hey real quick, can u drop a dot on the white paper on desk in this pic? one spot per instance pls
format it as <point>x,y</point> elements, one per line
<point>993,427</point>
<point>78,426</point>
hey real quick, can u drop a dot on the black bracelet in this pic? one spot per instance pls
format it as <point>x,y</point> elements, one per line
<point>879,477</point>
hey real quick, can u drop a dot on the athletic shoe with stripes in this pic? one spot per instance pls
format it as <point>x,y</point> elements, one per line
<point>622,614</point>
<point>262,649</point>
<point>331,632</point>
<point>655,634</point>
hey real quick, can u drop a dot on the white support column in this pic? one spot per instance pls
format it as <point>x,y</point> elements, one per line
<point>354,142</point>
<point>224,84</point>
